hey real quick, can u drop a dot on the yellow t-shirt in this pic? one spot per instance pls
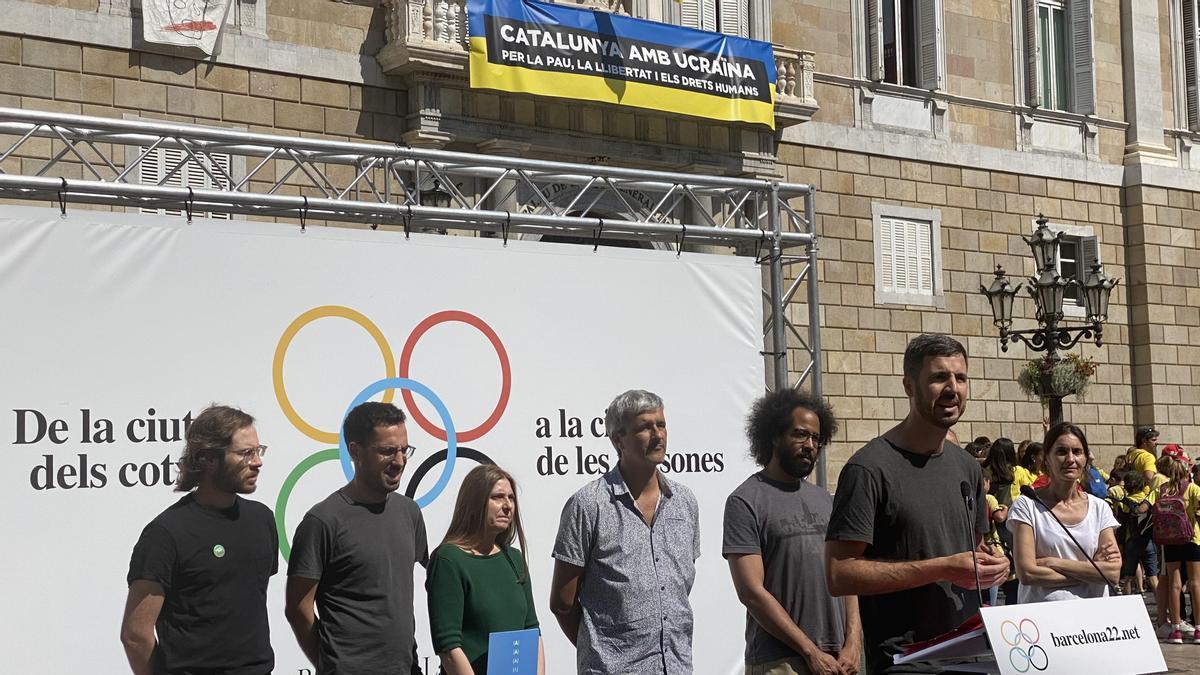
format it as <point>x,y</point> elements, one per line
<point>1021,476</point>
<point>993,537</point>
<point>1140,460</point>
<point>1159,481</point>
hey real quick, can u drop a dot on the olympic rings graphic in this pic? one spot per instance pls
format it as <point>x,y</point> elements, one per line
<point>1022,632</point>
<point>1016,634</point>
<point>505,369</point>
<point>1023,659</point>
<point>285,341</point>
<point>451,437</point>
<point>387,385</point>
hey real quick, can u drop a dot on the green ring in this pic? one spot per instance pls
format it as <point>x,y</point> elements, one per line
<point>285,493</point>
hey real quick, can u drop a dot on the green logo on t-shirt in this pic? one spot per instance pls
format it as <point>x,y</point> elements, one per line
<point>219,551</point>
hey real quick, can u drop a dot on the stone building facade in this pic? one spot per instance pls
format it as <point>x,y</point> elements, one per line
<point>944,125</point>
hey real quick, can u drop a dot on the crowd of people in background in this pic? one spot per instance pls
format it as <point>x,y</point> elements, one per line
<point>1143,489</point>
<point>920,534</point>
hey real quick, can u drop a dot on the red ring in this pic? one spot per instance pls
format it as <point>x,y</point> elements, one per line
<point>505,369</point>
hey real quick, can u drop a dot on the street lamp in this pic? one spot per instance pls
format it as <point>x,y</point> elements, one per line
<point>1047,290</point>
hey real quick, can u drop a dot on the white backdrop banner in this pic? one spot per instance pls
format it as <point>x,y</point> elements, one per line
<point>184,23</point>
<point>118,328</point>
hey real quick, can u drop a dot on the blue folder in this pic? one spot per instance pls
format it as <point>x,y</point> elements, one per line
<point>513,652</point>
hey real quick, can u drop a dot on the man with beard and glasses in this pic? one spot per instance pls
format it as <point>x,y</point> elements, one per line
<point>625,554</point>
<point>198,574</point>
<point>901,532</point>
<point>353,557</point>
<point>774,540</point>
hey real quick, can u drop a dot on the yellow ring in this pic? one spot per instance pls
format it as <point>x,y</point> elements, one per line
<point>285,341</point>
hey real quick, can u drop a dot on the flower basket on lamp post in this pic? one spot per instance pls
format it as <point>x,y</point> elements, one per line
<point>1045,378</point>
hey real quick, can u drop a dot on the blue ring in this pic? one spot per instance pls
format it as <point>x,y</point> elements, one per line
<point>447,424</point>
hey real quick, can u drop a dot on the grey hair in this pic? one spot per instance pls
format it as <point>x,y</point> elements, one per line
<point>632,403</point>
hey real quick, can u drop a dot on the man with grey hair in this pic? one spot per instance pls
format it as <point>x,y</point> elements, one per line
<point>625,555</point>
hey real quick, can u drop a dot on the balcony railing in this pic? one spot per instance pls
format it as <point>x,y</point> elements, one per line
<point>431,35</point>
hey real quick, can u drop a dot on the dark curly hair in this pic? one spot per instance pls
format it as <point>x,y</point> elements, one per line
<point>771,416</point>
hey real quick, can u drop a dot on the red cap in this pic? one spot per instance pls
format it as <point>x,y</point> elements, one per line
<point>1175,452</point>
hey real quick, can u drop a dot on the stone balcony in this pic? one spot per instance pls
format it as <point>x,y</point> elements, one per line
<point>427,42</point>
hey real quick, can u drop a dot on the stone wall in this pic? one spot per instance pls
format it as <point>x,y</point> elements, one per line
<point>983,214</point>
<point>71,78</point>
<point>1164,295</point>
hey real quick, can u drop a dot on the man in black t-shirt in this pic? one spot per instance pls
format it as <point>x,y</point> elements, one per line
<point>198,574</point>
<point>354,554</point>
<point>901,532</point>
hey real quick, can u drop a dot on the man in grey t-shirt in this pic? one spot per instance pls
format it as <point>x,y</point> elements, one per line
<point>353,557</point>
<point>901,533</point>
<point>774,541</point>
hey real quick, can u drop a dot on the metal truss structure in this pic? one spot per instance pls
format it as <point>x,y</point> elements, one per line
<point>65,158</point>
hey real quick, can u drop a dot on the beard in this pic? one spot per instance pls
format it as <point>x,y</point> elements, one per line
<point>798,465</point>
<point>229,478</point>
<point>928,409</point>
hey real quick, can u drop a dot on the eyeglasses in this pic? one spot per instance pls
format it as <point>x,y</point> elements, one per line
<point>804,436</point>
<point>392,450</point>
<point>245,454</point>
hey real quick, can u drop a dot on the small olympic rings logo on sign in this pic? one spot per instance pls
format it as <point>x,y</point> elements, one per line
<point>1017,634</point>
<point>396,376</point>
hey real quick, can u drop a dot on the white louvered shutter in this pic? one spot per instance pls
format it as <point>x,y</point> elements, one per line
<point>1191,77</point>
<point>1033,55</point>
<point>734,17</point>
<point>922,238</point>
<point>157,163</point>
<point>1089,254</point>
<point>1083,88</point>
<point>929,25</point>
<point>906,256</point>
<point>887,257</point>
<point>875,39</point>
<point>701,14</point>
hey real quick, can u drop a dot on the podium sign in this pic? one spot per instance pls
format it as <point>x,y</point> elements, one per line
<point>1099,635</point>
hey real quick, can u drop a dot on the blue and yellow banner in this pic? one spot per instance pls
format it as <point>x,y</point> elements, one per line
<point>554,50</point>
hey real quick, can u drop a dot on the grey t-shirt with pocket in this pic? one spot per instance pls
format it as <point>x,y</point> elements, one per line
<point>362,556</point>
<point>785,524</point>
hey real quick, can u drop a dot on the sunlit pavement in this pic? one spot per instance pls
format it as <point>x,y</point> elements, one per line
<point>1182,658</point>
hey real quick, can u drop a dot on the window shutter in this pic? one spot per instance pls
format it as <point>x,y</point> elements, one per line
<point>708,15</point>
<point>1089,254</point>
<point>924,258</point>
<point>887,259</point>
<point>929,25</point>
<point>875,39</point>
<point>1083,96</point>
<point>905,256</point>
<point>689,13</point>
<point>155,166</point>
<point>1190,77</point>
<point>734,17</point>
<point>1033,56</point>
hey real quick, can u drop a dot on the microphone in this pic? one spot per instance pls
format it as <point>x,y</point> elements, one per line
<point>1029,492</point>
<point>969,498</point>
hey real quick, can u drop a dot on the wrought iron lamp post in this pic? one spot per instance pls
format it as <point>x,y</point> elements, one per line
<point>1047,290</point>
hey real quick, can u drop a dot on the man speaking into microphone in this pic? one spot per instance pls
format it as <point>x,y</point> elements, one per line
<point>904,535</point>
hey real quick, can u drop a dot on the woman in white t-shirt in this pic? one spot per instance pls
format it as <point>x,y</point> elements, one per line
<point>1049,565</point>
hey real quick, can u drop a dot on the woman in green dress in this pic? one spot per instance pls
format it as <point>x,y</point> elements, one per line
<point>477,582</point>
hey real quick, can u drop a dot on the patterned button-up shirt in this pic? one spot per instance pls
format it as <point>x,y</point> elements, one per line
<point>634,594</point>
